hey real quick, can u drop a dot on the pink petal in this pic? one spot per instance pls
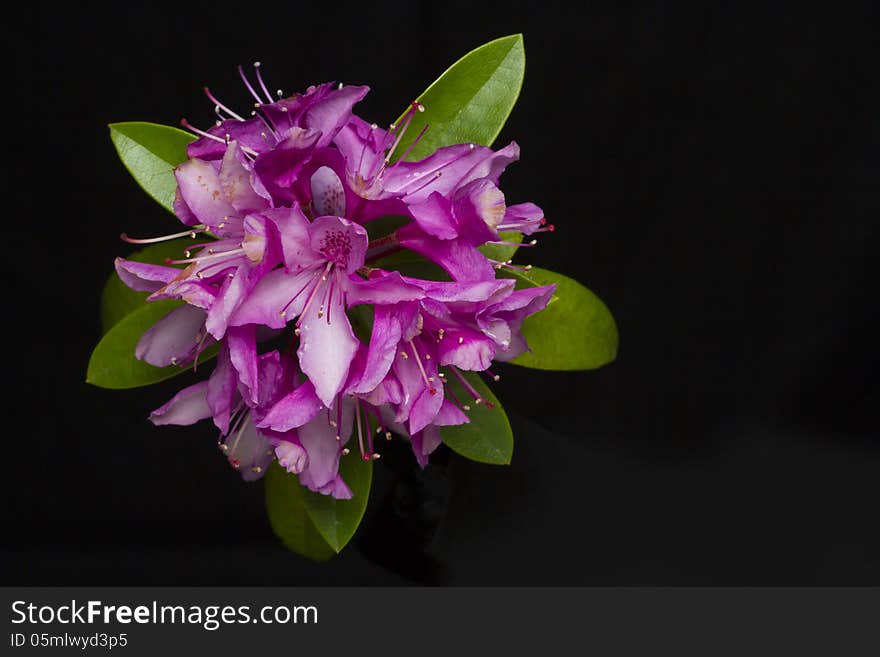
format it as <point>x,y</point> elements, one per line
<point>424,443</point>
<point>235,181</point>
<point>463,261</point>
<point>381,288</point>
<point>249,451</point>
<point>337,488</point>
<point>295,240</point>
<point>144,277</point>
<point>466,349</point>
<point>293,410</point>
<point>380,353</point>
<point>318,438</point>
<point>328,194</point>
<point>186,407</point>
<point>232,292</point>
<point>450,414</point>
<point>243,354</point>
<point>434,216</point>
<point>200,188</point>
<point>173,338</point>
<point>291,456</point>
<point>272,295</point>
<point>222,388</point>
<point>327,346</point>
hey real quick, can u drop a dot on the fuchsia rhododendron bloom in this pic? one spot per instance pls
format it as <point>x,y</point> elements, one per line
<point>283,203</point>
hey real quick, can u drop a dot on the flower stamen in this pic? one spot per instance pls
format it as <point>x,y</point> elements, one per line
<point>192,232</point>
<point>431,389</point>
<point>262,84</point>
<point>312,294</point>
<point>357,410</point>
<point>220,105</point>
<point>414,107</point>
<point>478,399</point>
<point>508,264</point>
<point>250,88</point>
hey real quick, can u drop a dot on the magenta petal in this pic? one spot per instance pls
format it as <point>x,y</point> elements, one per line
<point>327,346</point>
<point>173,338</point>
<point>318,438</point>
<point>525,302</point>
<point>259,235</point>
<point>195,292</point>
<point>222,388</point>
<point>293,410</point>
<point>381,288</point>
<point>468,291</point>
<point>144,277</point>
<point>249,134</point>
<point>274,373</point>
<point>200,188</point>
<point>466,349</point>
<point>409,379</point>
<point>516,344</point>
<point>182,211</point>
<point>186,407</point>
<point>457,166</point>
<point>269,302</point>
<point>425,409</point>
<point>424,443</point>
<point>387,392</point>
<point>434,216</point>
<point>380,353</point>
<point>463,261</point>
<point>363,145</point>
<point>524,217</point>
<point>232,292</point>
<point>479,210</point>
<point>278,169</point>
<point>329,114</point>
<point>421,399</point>
<point>235,181</point>
<point>498,330</point>
<point>249,451</point>
<point>367,210</point>
<point>451,162</point>
<point>502,321</point>
<point>492,166</point>
<point>295,240</point>
<point>450,414</point>
<point>337,488</point>
<point>243,354</point>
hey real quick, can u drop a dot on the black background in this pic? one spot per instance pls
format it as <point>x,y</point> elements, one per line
<point>714,174</point>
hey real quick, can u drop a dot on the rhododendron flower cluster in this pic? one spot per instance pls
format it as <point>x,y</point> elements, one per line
<point>284,206</point>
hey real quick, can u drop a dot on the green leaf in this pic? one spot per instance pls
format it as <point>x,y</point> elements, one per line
<point>487,438</point>
<point>113,364</point>
<point>412,264</point>
<point>150,152</point>
<point>575,332</point>
<point>502,252</point>
<point>382,226</point>
<point>471,101</point>
<point>314,525</point>
<point>117,299</point>
<point>361,319</point>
